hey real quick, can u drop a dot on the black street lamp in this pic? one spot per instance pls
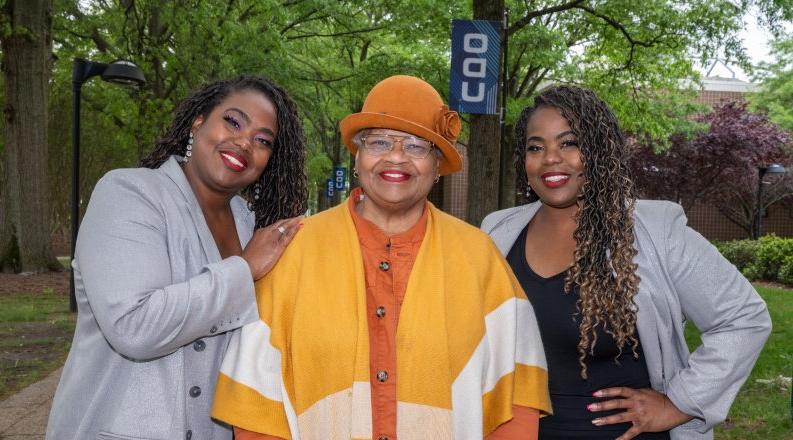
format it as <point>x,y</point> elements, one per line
<point>118,72</point>
<point>762,171</point>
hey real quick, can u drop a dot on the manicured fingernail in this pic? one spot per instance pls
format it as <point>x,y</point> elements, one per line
<point>590,406</point>
<point>597,422</point>
<point>597,393</point>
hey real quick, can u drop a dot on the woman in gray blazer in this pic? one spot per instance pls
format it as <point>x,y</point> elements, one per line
<point>613,279</point>
<point>165,263</point>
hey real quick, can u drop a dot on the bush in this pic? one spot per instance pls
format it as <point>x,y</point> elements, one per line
<point>741,253</point>
<point>771,254</point>
<point>786,271</point>
<point>770,258</point>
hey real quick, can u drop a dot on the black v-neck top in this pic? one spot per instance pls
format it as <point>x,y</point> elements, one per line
<point>570,394</point>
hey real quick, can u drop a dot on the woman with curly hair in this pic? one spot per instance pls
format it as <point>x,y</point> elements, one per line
<point>166,261</point>
<point>613,280</point>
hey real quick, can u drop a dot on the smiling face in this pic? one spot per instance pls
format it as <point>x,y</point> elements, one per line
<point>552,159</point>
<point>394,180</point>
<point>232,144</point>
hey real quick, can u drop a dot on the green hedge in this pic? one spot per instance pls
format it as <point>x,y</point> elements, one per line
<point>770,258</point>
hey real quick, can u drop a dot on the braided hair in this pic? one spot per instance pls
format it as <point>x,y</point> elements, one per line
<point>603,267</point>
<point>283,182</point>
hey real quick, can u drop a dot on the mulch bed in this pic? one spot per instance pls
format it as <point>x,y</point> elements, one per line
<point>34,282</point>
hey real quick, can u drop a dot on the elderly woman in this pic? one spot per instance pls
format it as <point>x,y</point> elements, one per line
<point>613,280</point>
<point>387,318</point>
<point>166,260</point>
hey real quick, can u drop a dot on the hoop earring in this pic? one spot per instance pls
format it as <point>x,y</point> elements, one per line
<point>355,172</point>
<point>188,151</point>
<point>437,178</point>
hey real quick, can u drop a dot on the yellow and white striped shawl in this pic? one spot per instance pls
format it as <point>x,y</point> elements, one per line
<point>468,346</point>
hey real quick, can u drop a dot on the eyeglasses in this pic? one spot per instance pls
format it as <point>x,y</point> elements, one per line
<point>380,144</point>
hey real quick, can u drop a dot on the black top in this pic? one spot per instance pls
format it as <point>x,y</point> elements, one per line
<point>570,394</point>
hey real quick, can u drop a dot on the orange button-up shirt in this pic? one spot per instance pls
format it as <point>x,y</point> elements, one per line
<point>387,262</point>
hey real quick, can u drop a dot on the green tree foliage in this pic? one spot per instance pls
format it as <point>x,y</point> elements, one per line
<point>329,54</point>
<point>776,92</point>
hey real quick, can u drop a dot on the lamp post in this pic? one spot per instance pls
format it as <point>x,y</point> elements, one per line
<point>762,171</point>
<point>118,72</point>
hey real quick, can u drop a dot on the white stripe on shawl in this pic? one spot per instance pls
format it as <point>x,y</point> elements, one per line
<point>529,350</point>
<point>342,415</point>
<point>510,324</point>
<point>420,422</point>
<point>252,361</point>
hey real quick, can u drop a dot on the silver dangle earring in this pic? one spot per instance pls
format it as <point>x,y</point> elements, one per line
<point>257,194</point>
<point>189,149</point>
<point>355,172</point>
<point>437,178</point>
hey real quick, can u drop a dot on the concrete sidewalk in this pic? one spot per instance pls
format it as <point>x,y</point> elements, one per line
<point>24,415</point>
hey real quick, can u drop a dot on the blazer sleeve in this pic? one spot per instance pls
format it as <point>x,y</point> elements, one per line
<point>123,258</point>
<point>732,318</point>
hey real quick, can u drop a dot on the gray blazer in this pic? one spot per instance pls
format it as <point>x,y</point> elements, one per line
<point>682,277</point>
<point>155,302</point>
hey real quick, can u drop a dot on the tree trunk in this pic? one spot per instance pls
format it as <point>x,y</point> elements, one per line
<point>509,177</point>
<point>27,52</point>
<point>484,146</point>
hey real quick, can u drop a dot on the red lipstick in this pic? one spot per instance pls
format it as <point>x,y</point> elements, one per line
<point>554,179</point>
<point>234,160</point>
<point>394,176</point>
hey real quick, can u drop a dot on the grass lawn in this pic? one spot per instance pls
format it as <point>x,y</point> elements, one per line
<point>35,335</point>
<point>762,410</point>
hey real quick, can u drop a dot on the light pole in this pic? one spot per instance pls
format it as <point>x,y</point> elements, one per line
<point>761,172</point>
<point>118,72</point>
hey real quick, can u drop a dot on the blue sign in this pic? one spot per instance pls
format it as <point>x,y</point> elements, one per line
<point>476,54</point>
<point>340,177</point>
<point>330,191</point>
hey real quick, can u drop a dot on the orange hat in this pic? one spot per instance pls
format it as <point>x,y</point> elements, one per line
<point>408,104</point>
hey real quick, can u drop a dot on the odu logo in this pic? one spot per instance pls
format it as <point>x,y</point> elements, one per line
<point>473,82</point>
<point>474,68</point>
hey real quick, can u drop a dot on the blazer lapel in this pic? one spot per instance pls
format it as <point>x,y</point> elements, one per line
<point>172,169</point>
<point>508,228</point>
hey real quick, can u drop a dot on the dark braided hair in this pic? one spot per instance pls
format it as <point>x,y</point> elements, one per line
<point>603,267</point>
<point>283,182</point>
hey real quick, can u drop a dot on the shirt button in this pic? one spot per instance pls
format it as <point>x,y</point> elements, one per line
<point>382,375</point>
<point>380,312</point>
<point>382,437</point>
<point>384,266</point>
<point>195,391</point>
<point>214,329</point>
<point>199,345</point>
<point>188,435</point>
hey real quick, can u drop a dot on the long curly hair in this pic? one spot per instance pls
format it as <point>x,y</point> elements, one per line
<point>283,182</point>
<point>603,267</point>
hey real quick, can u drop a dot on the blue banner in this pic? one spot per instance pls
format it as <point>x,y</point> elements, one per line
<point>330,188</point>
<point>340,177</point>
<point>476,55</point>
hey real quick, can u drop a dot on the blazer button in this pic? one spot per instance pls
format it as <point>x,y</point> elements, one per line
<point>384,266</point>
<point>195,391</point>
<point>380,312</point>
<point>199,345</point>
<point>382,375</point>
<point>214,329</point>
